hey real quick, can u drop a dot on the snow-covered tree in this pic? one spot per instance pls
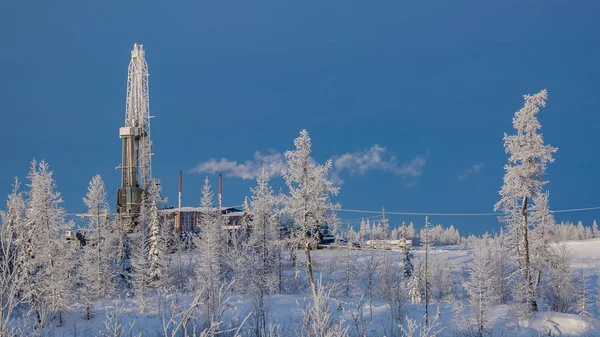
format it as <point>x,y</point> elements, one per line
<point>480,286</point>
<point>425,281</point>
<point>414,289</point>
<point>308,202</point>
<point>583,295</point>
<point>391,289</point>
<point>560,293</point>
<point>503,266</point>
<point>580,231</point>
<point>542,235</point>
<point>157,236</point>
<point>412,233</point>
<point>47,259</point>
<point>210,271</point>
<point>95,268</point>
<point>124,260</point>
<point>598,287</point>
<point>317,319</point>
<point>406,254</point>
<point>383,227</point>
<point>595,232</point>
<point>524,177</point>
<point>14,217</point>
<point>349,269</point>
<point>13,286</point>
<point>157,247</point>
<point>262,249</point>
<point>440,278</point>
<point>140,270</point>
<point>368,275</point>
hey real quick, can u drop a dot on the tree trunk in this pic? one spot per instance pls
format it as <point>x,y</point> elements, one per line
<point>526,263</point>
<point>309,271</point>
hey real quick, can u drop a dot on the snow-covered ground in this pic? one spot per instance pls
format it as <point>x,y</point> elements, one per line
<point>285,310</point>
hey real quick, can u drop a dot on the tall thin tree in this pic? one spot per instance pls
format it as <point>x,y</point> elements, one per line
<point>524,177</point>
<point>308,202</point>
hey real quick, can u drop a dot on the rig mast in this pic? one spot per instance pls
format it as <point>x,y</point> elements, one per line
<point>136,164</point>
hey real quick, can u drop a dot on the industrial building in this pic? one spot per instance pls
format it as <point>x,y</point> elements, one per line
<point>189,219</point>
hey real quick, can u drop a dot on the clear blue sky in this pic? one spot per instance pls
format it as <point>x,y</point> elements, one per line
<point>439,79</point>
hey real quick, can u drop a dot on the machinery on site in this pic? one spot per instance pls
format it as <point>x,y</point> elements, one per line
<point>136,164</point>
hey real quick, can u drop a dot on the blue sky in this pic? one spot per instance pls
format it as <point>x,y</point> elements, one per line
<point>435,81</point>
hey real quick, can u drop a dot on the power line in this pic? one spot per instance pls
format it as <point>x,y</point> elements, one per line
<point>379,212</point>
<point>575,209</point>
<point>458,214</point>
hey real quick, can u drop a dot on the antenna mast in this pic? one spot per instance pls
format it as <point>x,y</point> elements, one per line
<point>136,164</point>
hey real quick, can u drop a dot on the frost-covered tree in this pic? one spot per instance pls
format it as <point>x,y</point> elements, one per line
<point>96,271</point>
<point>595,232</point>
<point>368,274</point>
<point>598,287</point>
<point>542,235</point>
<point>480,286</point>
<point>440,278</point>
<point>262,249</point>
<point>209,274</point>
<point>391,289</point>
<point>47,259</point>
<point>157,245</point>
<point>140,270</point>
<point>14,216</point>
<point>425,282</point>
<point>580,231</point>
<point>412,233</point>
<point>383,227</point>
<point>349,269</point>
<point>414,289</point>
<point>560,293</point>
<point>364,230</point>
<point>317,319</point>
<point>503,267</point>
<point>406,253</point>
<point>308,202</point>
<point>124,267</point>
<point>13,287</point>
<point>524,178</point>
<point>583,295</point>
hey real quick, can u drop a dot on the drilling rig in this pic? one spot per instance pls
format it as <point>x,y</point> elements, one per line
<point>136,164</point>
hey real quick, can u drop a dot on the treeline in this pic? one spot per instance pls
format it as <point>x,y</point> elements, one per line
<point>380,230</point>
<point>556,232</point>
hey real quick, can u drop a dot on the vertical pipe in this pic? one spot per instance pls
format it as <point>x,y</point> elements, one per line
<point>180,188</point>
<point>179,203</point>
<point>220,192</point>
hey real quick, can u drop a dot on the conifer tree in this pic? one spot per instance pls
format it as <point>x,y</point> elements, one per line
<point>561,291</point>
<point>13,287</point>
<point>405,253</point>
<point>47,260</point>
<point>96,271</point>
<point>480,284</point>
<point>583,301</point>
<point>523,180</point>
<point>308,202</point>
<point>140,270</point>
<point>210,249</point>
<point>262,249</point>
<point>426,243</point>
<point>541,236</point>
